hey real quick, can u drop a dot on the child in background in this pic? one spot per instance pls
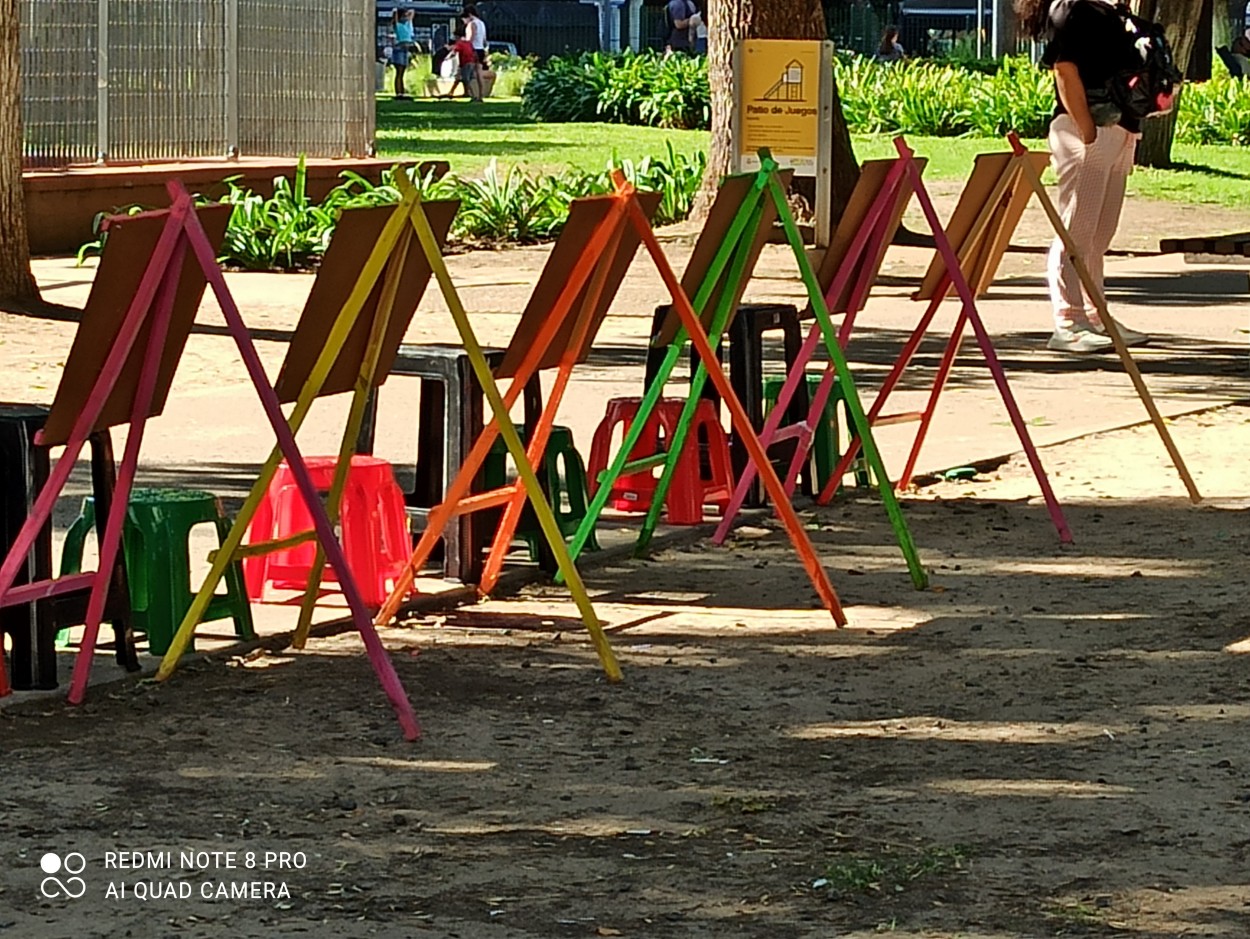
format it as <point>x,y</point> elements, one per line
<point>463,50</point>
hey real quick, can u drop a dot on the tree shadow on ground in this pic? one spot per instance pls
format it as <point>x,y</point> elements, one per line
<point>1049,745</point>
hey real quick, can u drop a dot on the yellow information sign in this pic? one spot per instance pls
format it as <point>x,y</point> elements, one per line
<point>779,96</point>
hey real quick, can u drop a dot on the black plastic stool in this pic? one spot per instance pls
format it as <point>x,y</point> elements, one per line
<point>450,418</point>
<point>24,469</point>
<point>746,377</point>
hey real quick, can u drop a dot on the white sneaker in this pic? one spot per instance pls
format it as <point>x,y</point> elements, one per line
<point>1081,341</point>
<point>1131,337</point>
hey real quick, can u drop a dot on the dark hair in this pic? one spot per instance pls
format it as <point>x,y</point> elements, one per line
<point>469,10</point>
<point>888,38</point>
<point>1034,17</point>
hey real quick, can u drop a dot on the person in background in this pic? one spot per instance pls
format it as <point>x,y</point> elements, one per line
<point>890,50</point>
<point>475,34</point>
<point>1241,45</point>
<point>1092,155</point>
<point>679,14</point>
<point>468,70</point>
<point>401,24</point>
<point>698,28</point>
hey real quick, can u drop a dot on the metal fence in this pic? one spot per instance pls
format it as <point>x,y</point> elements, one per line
<point>127,80</point>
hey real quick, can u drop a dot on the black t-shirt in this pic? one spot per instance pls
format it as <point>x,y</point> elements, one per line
<point>1090,34</point>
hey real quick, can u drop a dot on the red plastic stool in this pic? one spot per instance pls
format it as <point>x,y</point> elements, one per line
<point>690,490</point>
<point>374,529</point>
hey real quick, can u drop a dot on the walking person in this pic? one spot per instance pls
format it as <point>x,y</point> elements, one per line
<point>1092,149</point>
<point>679,14</point>
<point>401,25</point>
<point>475,34</point>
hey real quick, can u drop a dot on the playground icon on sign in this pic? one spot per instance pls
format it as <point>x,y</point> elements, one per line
<point>789,87</point>
<point>71,887</point>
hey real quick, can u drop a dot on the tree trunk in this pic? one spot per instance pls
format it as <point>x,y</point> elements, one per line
<point>732,20</point>
<point>16,281</point>
<point>1180,18</point>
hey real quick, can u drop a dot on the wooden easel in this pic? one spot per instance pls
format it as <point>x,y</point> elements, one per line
<point>136,348</point>
<point>855,272</point>
<point>366,291</point>
<point>571,345</point>
<point>980,231</point>
<point>457,499</point>
<point>752,203</point>
<point>131,335</point>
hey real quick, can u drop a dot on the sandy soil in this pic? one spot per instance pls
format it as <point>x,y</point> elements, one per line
<point>1050,741</point>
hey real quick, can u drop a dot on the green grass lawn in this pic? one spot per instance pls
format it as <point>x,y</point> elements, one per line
<point>470,135</point>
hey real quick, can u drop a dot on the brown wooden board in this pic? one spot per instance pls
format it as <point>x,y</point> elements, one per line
<point>872,176</point>
<point>981,259</point>
<point>1211,244</point>
<point>355,235</point>
<point>729,198</point>
<point>585,215</point>
<point>127,252</point>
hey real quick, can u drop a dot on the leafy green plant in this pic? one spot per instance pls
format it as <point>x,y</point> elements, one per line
<point>512,74</point>
<point>625,88</point>
<point>1215,111</point>
<point>889,872</point>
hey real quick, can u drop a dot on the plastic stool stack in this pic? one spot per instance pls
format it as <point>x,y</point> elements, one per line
<point>373,523</point>
<point>825,449</point>
<point>694,485</point>
<point>33,627</point>
<point>564,476</point>
<point>156,544</point>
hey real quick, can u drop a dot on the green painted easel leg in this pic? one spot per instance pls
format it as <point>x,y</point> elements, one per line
<point>737,230</point>
<point>851,394</point>
<point>720,321</point>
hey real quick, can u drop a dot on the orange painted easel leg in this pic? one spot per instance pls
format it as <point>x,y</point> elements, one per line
<point>740,421</point>
<point>443,513</point>
<point>537,449</point>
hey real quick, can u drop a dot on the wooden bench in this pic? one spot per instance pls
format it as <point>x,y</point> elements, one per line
<point>1227,245</point>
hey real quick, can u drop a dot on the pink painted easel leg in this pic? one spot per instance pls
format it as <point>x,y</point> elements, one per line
<point>905,356</point>
<point>110,540</point>
<point>45,502</point>
<point>987,348</point>
<point>771,425</point>
<point>381,662</point>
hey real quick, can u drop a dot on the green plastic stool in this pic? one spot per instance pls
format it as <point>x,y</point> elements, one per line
<point>566,490</point>
<point>825,440</point>
<point>156,542</point>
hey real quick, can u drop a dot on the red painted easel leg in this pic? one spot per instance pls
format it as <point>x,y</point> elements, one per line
<point>939,383</point>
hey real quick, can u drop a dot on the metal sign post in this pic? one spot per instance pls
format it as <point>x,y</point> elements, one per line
<point>783,102</point>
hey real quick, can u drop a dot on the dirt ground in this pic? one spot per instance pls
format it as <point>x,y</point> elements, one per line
<point>1047,742</point>
<point>1050,741</point>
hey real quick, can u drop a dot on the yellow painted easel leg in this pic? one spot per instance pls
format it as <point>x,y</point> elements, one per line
<point>343,324</point>
<point>542,509</point>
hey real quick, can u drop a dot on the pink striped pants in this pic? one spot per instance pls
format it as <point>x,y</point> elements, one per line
<point>1092,178</point>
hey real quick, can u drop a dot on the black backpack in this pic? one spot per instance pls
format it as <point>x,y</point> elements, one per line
<point>1150,90</point>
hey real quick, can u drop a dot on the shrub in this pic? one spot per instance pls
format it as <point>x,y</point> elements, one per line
<point>1215,111</point>
<point>626,88</point>
<point>512,74</point>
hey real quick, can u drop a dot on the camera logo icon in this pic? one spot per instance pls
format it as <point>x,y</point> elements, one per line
<point>72,887</point>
